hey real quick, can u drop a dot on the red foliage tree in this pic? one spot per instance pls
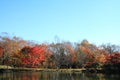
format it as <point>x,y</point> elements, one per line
<point>33,56</point>
<point>112,62</point>
<point>113,58</point>
<point>0,51</point>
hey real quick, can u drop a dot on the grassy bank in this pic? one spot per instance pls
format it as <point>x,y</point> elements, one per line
<point>8,68</point>
<point>47,70</point>
<point>4,67</point>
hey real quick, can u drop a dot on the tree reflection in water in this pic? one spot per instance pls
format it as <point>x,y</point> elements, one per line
<point>55,76</point>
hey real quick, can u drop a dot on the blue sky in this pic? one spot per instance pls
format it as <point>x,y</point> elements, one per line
<point>98,21</point>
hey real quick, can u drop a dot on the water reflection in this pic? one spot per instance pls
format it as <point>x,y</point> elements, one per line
<point>55,76</point>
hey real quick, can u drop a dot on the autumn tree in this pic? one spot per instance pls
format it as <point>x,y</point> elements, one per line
<point>112,62</point>
<point>10,47</point>
<point>63,54</point>
<point>70,54</point>
<point>33,56</point>
<point>1,53</point>
<point>86,54</point>
<point>58,54</point>
<point>48,62</point>
<point>110,48</point>
<point>1,50</point>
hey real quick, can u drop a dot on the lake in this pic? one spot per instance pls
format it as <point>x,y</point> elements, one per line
<point>56,76</point>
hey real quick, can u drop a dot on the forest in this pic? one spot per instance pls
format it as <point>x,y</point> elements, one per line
<point>17,52</point>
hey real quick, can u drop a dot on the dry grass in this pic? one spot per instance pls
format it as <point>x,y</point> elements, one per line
<point>5,67</point>
<point>39,69</point>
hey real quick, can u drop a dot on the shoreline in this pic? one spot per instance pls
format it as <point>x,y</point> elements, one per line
<point>4,68</point>
<point>42,70</point>
<point>17,69</point>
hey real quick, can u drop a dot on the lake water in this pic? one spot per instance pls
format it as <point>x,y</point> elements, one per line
<point>55,76</point>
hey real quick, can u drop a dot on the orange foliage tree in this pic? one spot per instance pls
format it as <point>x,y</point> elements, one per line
<point>10,47</point>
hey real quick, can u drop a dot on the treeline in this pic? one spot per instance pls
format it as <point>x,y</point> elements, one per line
<point>16,52</point>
